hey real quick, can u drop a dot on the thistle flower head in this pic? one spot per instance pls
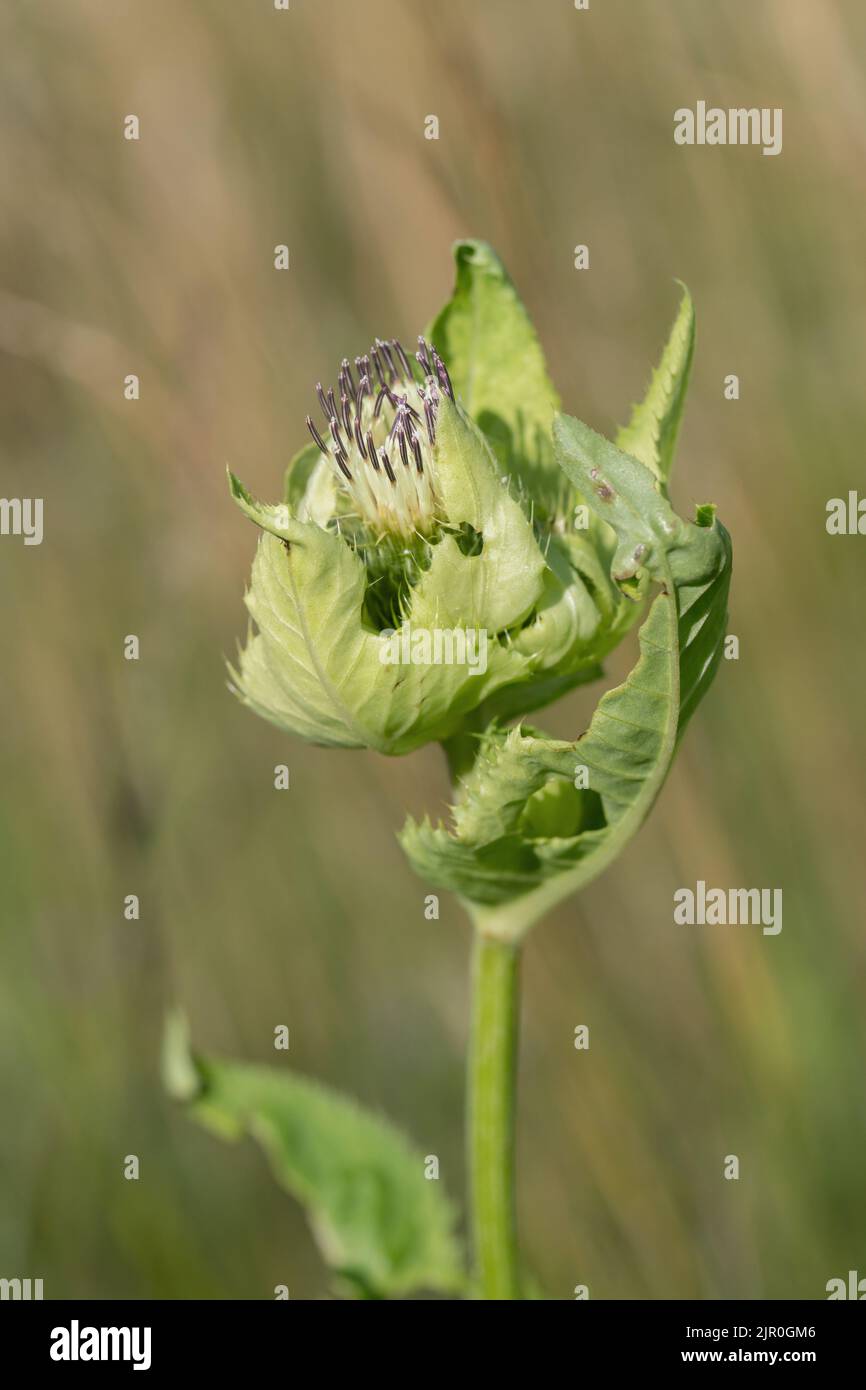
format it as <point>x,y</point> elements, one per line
<point>431,498</point>
<point>379,435</point>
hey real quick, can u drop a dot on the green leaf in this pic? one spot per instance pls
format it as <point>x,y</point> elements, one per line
<point>380,1225</point>
<point>651,434</point>
<point>526,832</point>
<point>649,533</point>
<point>496,363</point>
<point>582,614</point>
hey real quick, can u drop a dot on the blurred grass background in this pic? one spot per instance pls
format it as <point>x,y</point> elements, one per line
<point>259,907</point>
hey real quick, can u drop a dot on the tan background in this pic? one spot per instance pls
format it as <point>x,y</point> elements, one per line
<point>258,907</point>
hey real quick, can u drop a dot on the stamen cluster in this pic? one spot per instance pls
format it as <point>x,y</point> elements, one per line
<point>380,435</point>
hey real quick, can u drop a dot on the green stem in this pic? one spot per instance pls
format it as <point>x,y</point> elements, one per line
<point>491,1111</point>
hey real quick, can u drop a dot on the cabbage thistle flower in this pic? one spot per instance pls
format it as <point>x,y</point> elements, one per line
<point>426,506</point>
<point>446,492</point>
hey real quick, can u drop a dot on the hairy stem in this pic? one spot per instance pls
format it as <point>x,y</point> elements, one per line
<point>491,1115</point>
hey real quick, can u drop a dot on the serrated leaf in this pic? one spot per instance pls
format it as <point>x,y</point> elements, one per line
<point>512,858</point>
<point>583,615</point>
<point>380,1225</point>
<point>498,369</point>
<point>651,434</point>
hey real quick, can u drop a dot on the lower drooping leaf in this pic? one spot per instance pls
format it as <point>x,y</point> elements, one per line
<point>541,817</point>
<point>381,1226</point>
